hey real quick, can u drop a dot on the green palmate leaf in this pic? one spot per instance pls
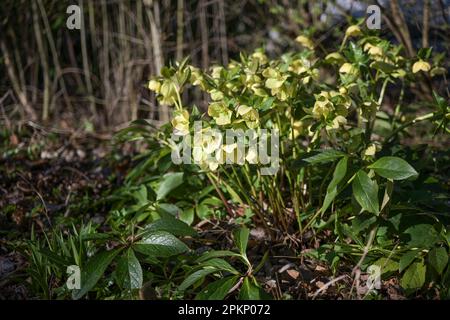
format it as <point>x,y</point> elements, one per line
<point>171,225</point>
<point>221,265</point>
<point>393,168</point>
<point>195,277</point>
<point>438,259</point>
<point>169,182</point>
<point>93,271</point>
<point>217,290</point>
<point>241,239</point>
<point>366,192</point>
<point>324,156</point>
<point>407,259</point>
<point>216,254</point>
<point>338,175</point>
<point>160,244</point>
<point>414,277</point>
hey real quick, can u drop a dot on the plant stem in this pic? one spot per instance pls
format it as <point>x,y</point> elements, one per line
<point>427,116</point>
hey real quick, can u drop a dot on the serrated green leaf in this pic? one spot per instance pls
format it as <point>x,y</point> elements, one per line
<point>171,225</point>
<point>134,270</point>
<point>324,156</point>
<point>366,192</point>
<point>393,168</point>
<point>160,244</point>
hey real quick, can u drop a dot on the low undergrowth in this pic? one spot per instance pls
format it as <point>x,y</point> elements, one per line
<point>345,194</point>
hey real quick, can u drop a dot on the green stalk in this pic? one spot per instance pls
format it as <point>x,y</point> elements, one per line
<point>427,116</point>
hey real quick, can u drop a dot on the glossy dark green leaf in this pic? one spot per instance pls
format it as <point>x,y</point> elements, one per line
<point>160,244</point>
<point>217,290</point>
<point>134,270</point>
<point>220,264</point>
<point>324,156</point>
<point>366,192</point>
<point>93,271</point>
<point>171,225</point>
<point>169,182</point>
<point>338,175</point>
<point>251,291</point>
<point>241,239</point>
<point>195,277</point>
<point>393,168</point>
<point>217,253</point>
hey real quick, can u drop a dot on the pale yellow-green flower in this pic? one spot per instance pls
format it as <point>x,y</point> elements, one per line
<point>298,127</point>
<point>353,31</point>
<point>421,66</point>
<point>168,93</point>
<point>154,85</point>
<point>298,66</point>
<point>220,113</point>
<point>323,106</point>
<point>216,95</point>
<point>437,71</point>
<point>180,122</point>
<point>216,71</point>
<point>371,150</point>
<point>337,122</point>
<point>348,68</point>
<point>305,41</point>
<point>334,57</point>
<point>197,78</point>
<point>260,56</point>
<point>250,115</point>
<point>399,73</point>
<point>373,50</point>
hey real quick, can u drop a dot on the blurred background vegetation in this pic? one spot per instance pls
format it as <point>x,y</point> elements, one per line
<point>95,78</point>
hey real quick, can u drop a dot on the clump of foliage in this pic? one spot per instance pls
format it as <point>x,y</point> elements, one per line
<point>342,170</point>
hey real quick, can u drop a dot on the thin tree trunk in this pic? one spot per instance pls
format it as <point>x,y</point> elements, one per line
<point>180,27</point>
